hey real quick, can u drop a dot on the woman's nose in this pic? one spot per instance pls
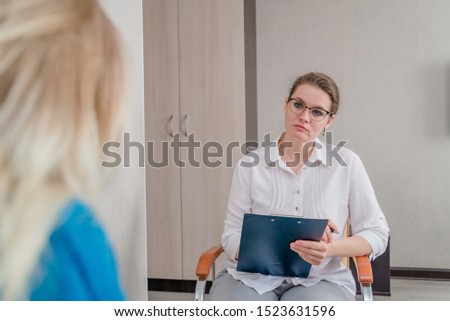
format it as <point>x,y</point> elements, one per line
<point>306,115</point>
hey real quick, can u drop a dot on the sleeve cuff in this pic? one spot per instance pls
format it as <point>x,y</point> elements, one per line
<point>231,248</point>
<point>377,243</point>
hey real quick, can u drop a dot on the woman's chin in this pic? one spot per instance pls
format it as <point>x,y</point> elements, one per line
<point>300,136</point>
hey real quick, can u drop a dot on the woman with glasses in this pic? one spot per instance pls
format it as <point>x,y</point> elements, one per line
<point>299,175</point>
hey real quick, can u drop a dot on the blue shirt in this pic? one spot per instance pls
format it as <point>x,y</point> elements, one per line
<point>78,262</point>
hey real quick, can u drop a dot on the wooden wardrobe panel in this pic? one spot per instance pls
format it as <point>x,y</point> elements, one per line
<point>212,94</point>
<point>161,103</point>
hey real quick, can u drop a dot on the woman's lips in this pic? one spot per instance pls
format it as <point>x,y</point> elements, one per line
<point>300,128</point>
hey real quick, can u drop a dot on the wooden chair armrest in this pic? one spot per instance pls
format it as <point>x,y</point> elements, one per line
<point>364,269</point>
<point>206,261</point>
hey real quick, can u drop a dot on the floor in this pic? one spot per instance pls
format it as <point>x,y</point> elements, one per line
<point>401,290</point>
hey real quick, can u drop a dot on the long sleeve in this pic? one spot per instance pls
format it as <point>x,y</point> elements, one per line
<point>239,202</point>
<point>367,218</point>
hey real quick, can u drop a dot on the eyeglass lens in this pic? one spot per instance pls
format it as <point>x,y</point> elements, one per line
<point>298,108</point>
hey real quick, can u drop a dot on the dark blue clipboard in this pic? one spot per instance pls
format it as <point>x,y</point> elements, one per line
<point>265,243</point>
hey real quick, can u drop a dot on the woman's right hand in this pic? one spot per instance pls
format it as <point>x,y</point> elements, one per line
<point>327,236</point>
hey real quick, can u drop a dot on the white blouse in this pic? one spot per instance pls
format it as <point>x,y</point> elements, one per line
<point>263,184</point>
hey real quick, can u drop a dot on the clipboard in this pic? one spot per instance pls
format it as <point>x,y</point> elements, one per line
<point>265,240</point>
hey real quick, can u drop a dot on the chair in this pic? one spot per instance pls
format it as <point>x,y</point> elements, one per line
<point>206,263</point>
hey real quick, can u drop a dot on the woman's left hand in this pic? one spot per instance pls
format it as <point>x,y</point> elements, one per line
<point>311,251</point>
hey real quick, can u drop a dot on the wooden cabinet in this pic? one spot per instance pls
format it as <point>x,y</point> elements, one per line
<point>194,62</point>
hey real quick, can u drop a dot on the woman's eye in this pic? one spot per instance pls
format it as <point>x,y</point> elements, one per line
<point>298,105</point>
<point>318,112</point>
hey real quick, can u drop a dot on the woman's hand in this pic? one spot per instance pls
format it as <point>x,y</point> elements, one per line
<point>311,251</point>
<point>327,236</point>
<point>315,252</point>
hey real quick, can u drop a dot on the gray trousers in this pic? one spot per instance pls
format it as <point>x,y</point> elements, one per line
<point>226,288</point>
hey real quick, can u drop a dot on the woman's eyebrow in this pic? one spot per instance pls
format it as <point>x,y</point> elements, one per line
<point>301,100</point>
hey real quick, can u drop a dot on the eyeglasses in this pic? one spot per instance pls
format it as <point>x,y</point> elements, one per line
<point>298,107</point>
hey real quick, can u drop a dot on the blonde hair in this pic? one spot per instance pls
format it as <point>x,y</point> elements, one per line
<point>60,96</point>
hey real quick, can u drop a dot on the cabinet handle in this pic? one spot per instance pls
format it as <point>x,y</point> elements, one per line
<point>170,126</point>
<point>186,119</point>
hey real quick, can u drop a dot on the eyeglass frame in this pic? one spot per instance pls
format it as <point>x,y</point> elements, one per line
<point>328,113</point>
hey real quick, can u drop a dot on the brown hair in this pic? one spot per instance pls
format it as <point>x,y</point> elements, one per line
<point>322,81</point>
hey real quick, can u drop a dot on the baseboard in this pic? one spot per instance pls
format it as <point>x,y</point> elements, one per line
<point>166,285</point>
<point>420,273</point>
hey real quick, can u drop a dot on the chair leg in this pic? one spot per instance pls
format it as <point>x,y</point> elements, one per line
<point>200,287</point>
<point>366,291</point>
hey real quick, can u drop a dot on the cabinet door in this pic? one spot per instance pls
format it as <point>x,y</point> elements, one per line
<point>212,94</point>
<point>161,106</point>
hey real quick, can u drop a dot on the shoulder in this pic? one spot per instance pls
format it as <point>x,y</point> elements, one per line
<point>258,157</point>
<point>79,229</point>
<point>81,234</point>
<point>78,263</point>
<point>346,154</point>
<point>336,154</point>
<point>76,217</point>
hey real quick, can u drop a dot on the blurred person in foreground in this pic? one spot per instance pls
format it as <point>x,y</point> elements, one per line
<point>61,77</point>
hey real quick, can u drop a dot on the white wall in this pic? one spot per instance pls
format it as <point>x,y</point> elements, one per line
<point>391,60</point>
<point>124,199</point>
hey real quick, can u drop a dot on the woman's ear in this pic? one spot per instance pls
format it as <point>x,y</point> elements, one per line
<point>330,120</point>
<point>286,105</point>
